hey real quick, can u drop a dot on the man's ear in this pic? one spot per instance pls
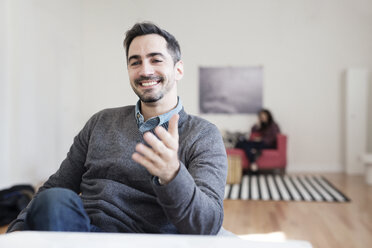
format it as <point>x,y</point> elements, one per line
<point>178,70</point>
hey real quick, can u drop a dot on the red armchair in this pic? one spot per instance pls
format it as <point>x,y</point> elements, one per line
<point>269,159</point>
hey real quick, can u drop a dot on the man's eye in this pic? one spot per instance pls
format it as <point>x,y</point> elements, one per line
<point>157,61</point>
<point>135,63</point>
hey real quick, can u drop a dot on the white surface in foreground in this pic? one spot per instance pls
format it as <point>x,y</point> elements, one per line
<point>112,240</point>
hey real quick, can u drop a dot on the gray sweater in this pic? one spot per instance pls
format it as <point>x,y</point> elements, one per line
<point>120,195</point>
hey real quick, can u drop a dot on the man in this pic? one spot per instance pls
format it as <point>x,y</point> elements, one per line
<point>149,168</point>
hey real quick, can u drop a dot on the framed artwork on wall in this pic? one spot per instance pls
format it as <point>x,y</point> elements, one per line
<point>230,90</point>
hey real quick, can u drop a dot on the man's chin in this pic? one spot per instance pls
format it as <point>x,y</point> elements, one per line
<point>150,99</point>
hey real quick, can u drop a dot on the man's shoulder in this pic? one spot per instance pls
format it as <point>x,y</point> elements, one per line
<point>197,120</point>
<point>118,111</point>
<point>198,124</point>
<point>111,115</point>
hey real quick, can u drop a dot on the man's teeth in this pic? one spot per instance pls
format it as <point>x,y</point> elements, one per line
<point>149,83</point>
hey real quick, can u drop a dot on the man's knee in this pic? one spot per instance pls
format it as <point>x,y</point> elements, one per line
<point>55,196</point>
<point>52,202</point>
<point>57,209</point>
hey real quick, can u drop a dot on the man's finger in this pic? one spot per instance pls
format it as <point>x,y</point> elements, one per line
<point>142,161</point>
<point>149,154</point>
<point>156,145</point>
<point>167,139</point>
<point>173,126</point>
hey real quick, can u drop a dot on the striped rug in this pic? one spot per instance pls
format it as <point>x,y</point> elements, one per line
<point>284,188</point>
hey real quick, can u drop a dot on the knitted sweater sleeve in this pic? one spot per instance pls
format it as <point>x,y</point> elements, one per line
<point>269,136</point>
<point>67,176</point>
<point>193,200</point>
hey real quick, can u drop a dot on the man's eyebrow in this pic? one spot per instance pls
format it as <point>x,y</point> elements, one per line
<point>155,54</point>
<point>148,56</point>
<point>134,57</point>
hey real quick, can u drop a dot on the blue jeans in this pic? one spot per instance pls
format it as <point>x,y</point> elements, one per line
<point>58,209</point>
<point>252,149</point>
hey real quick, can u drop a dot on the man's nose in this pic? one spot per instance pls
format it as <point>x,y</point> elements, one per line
<point>146,69</point>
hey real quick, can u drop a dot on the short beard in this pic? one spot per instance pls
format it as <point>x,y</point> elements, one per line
<point>151,99</point>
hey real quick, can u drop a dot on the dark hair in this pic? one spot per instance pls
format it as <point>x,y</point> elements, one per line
<point>270,118</point>
<point>145,28</point>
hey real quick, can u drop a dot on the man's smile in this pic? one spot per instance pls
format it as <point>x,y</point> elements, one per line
<point>148,82</point>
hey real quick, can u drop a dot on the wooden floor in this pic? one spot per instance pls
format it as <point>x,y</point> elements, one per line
<point>325,225</point>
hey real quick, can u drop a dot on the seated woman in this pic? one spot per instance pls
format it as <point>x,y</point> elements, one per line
<point>263,136</point>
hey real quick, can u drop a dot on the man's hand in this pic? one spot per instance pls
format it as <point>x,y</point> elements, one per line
<point>161,159</point>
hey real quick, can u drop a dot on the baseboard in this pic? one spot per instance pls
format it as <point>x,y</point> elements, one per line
<point>314,168</point>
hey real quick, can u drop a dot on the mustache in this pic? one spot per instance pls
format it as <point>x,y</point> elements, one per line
<point>150,78</point>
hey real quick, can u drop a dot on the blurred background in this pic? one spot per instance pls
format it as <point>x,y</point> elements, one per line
<point>63,60</point>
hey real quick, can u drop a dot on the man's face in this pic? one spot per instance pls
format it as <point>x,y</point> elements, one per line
<point>151,69</point>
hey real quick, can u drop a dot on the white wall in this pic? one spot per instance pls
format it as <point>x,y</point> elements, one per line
<point>43,75</point>
<point>369,110</point>
<point>356,103</point>
<point>67,62</point>
<point>4,95</point>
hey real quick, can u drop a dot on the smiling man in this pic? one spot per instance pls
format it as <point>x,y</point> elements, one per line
<point>148,168</point>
